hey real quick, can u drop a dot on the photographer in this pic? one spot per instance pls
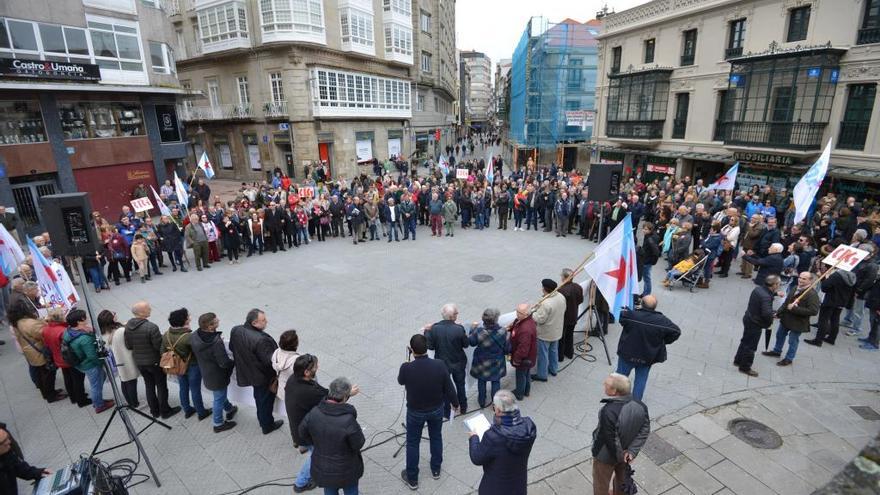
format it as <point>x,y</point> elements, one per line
<point>427,385</point>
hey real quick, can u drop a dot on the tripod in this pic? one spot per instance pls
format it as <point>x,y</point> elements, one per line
<point>121,408</point>
<point>591,307</point>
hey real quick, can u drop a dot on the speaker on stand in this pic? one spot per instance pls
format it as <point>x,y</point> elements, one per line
<point>603,185</point>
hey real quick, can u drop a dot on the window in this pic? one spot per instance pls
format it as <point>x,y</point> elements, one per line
<point>637,104</point>
<point>161,58</point>
<point>798,23</point>
<point>116,46</point>
<point>98,119</point>
<point>616,54</point>
<point>214,93</point>
<point>349,93</point>
<point>723,116</point>
<point>679,124</point>
<point>43,41</point>
<point>127,6</point>
<point>300,16</point>
<point>22,35</point>
<point>420,103</point>
<point>735,39</point>
<point>870,32</point>
<point>689,47</point>
<point>151,3</point>
<point>398,40</point>
<point>857,116</point>
<point>575,74</point>
<point>649,51</point>
<point>357,27</point>
<point>426,62</point>
<point>21,122</point>
<point>425,22</point>
<point>181,43</point>
<point>277,86</point>
<point>401,7</point>
<point>223,22</point>
<point>244,98</point>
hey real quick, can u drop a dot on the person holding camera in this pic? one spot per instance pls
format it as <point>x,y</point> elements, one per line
<point>428,385</point>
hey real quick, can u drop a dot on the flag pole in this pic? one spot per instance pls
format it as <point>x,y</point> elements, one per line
<point>567,279</point>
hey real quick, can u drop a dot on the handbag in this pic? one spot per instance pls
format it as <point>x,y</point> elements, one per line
<point>45,351</point>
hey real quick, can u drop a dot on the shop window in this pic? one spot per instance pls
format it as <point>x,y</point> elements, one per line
<point>94,119</point>
<point>21,122</point>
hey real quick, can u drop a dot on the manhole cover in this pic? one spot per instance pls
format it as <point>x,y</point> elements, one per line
<point>482,278</point>
<point>756,434</point>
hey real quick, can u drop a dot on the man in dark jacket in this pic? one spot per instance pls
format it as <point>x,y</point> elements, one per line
<point>771,264</point>
<point>332,429</point>
<point>650,255</point>
<point>273,228</point>
<point>643,339</point>
<point>758,315</point>
<point>337,214</point>
<point>794,317</point>
<point>448,340</point>
<point>838,289</point>
<point>13,466</point>
<point>770,236</point>
<point>503,450</point>
<point>252,350</point>
<point>143,339</point>
<point>623,429</point>
<point>866,275</point>
<point>216,368</point>
<point>301,394</point>
<point>427,387</point>
<point>171,240</point>
<point>574,297</point>
<point>872,303</point>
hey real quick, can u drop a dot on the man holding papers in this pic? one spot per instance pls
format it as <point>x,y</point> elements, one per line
<point>503,448</point>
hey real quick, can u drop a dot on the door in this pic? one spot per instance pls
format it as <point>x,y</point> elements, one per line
<point>780,120</point>
<point>569,158</point>
<point>324,154</point>
<point>288,161</point>
<point>27,204</point>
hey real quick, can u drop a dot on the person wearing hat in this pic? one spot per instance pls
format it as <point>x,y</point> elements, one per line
<point>550,317</point>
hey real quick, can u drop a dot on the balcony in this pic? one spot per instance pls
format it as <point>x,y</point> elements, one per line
<point>171,7</point>
<point>275,110</point>
<point>852,135</point>
<point>730,53</point>
<point>220,112</point>
<point>868,35</point>
<point>645,129</point>
<point>802,136</point>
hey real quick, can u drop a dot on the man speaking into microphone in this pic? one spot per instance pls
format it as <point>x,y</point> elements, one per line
<point>427,385</point>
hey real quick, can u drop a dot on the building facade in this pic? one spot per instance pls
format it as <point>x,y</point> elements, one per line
<point>499,91</point>
<point>289,84</point>
<point>88,90</point>
<point>553,81</point>
<point>464,102</point>
<point>480,88</point>
<point>435,81</point>
<point>690,87</point>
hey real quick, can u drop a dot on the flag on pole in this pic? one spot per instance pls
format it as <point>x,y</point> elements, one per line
<point>443,163</point>
<point>205,165</point>
<point>726,182</point>
<point>11,254</point>
<point>55,287</point>
<point>613,268</point>
<point>490,170</point>
<point>809,185</point>
<point>180,189</point>
<point>163,208</point>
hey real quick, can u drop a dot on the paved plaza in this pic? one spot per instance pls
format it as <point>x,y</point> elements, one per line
<point>355,307</point>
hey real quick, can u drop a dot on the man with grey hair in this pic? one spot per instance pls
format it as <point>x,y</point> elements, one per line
<point>771,264</point>
<point>448,340</point>
<point>794,316</point>
<point>623,429</point>
<point>332,429</point>
<point>504,448</point>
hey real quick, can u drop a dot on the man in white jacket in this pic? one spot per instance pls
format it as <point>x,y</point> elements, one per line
<point>550,316</point>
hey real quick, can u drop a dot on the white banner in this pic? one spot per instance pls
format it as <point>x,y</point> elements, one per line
<point>845,257</point>
<point>461,173</point>
<point>364,150</point>
<point>393,147</point>
<point>141,204</point>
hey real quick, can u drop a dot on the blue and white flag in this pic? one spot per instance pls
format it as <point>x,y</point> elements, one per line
<point>205,165</point>
<point>163,208</point>
<point>490,170</point>
<point>180,189</point>
<point>809,185</point>
<point>726,182</point>
<point>443,163</point>
<point>55,287</point>
<point>613,268</point>
<point>11,254</point>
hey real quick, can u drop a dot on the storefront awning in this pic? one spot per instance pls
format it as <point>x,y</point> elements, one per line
<point>866,174</point>
<point>689,155</point>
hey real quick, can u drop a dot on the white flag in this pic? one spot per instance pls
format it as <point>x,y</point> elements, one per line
<point>163,208</point>
<point>809,185</point>
<point>180,189</point>
<point>11,254</point>
<point>726,182</point>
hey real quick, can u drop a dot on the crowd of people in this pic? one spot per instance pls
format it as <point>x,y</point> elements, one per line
<point>697,231</point>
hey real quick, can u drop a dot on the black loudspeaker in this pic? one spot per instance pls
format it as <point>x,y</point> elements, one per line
<point>604,182</point>
<point>68,219</point>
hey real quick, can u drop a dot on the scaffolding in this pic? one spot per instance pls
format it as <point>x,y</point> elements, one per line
<point>553,84</point>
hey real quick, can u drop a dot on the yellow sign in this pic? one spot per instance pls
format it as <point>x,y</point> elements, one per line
<point>138,174</point>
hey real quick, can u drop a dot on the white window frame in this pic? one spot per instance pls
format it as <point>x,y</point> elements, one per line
<point>213,93</point>
<point>420,102</point>
<point>126,6</point>
<point>399,42</point>
<point>292,20</point>
<point>356,30</point>
<point>41,52</point>
<point>181,43</point>
<point>425,22</point>
<point>337,93</point>
<point>243,90</point>
<point>402,7</point>
<point>151,3</point>
<point>168,65</point>
<point>118,27</point>
<point>218,31</point>
<point>276,87</point>
<point>426,62</point>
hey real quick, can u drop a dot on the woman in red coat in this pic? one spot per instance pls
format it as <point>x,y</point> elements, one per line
<point>523,349</point>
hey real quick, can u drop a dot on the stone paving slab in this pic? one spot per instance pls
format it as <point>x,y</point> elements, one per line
<point>355,307</point>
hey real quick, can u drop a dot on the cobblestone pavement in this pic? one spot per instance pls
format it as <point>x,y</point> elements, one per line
<point>356,306</point>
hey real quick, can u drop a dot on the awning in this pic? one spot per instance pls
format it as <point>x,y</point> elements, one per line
<point>690,155</point>
<point>868,174</point>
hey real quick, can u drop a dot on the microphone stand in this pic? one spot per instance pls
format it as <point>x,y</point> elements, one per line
<point>121,408</point>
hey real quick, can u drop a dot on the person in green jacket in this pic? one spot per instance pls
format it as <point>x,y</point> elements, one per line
<point>450,213</point>
<point>81,339</point>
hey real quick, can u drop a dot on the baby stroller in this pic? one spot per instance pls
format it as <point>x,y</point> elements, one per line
<point>694,276</point>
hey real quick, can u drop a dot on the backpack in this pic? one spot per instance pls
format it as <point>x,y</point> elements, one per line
<point>68,353</point>
<point>171,362</point>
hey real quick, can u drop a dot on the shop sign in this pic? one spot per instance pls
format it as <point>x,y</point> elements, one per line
<point>137,174</point>
<point>611,158</point>
<point>661,169</point>
<point>166,116</point>
<point>764,158</point>
<point>45,69</point>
